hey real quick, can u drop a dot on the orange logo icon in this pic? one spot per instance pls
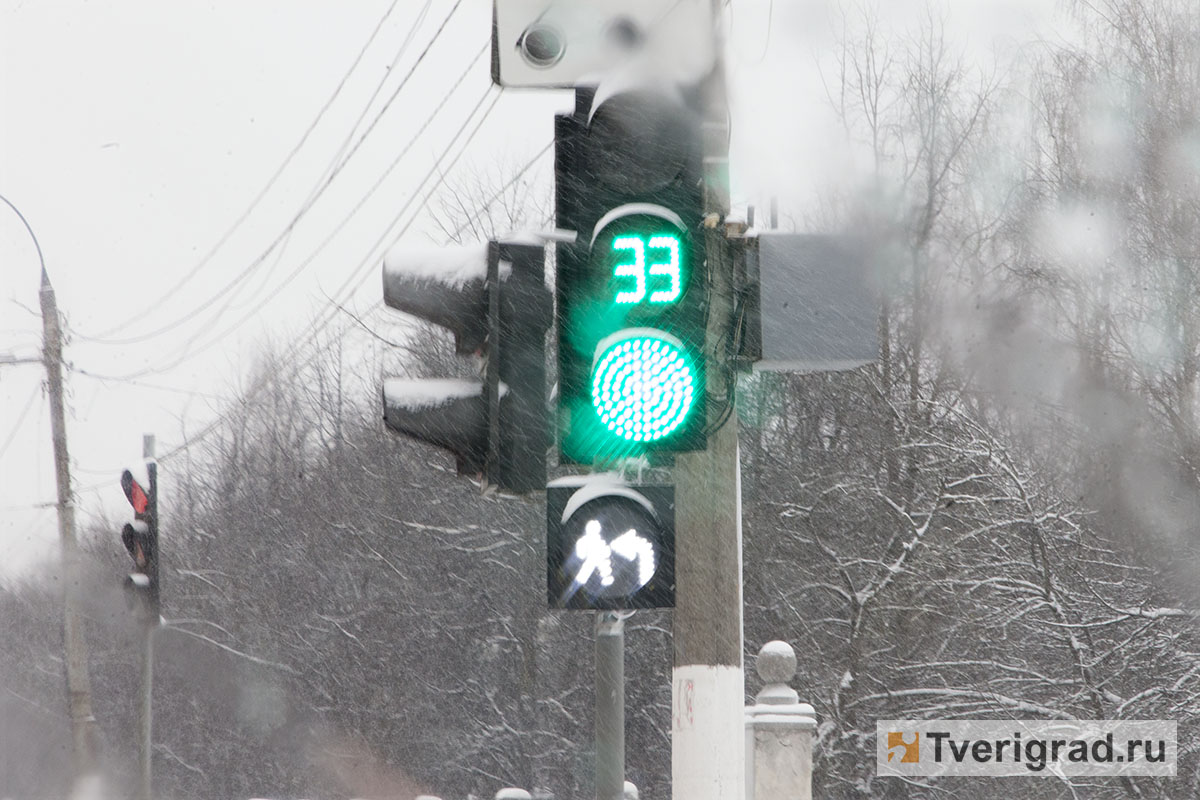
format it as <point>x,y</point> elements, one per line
<point>911,751</point>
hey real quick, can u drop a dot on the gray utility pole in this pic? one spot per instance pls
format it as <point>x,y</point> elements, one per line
<point>149,624</point>
<point>610,705</point>
<point>85,733</point>
<point>708,687</point>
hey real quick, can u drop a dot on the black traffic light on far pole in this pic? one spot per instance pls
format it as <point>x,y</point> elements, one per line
<point>140,538</point>
<point>609,545</point>
<point>633,288</point>
<point>493,298</point>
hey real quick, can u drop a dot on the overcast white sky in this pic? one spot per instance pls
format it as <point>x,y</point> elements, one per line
<point>134,134</point>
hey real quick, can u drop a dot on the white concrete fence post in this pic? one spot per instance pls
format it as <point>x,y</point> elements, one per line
<point>779,731</point>
<point>513,793</point>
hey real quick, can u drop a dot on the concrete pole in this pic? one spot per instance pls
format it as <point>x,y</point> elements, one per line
<point>779,731</point>
<point>610,705</point>
<point>707,754</point>
<point>85,733</point>
<point>707,750</point>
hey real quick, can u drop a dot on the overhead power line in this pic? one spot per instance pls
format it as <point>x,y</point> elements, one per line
<point>360,273</point>
<point>342,157</point>
<point>192,347</point>
<point>158,387</point>
<point>237,224</point>
<point>20,419</point>
<point>329,175</point>
<point>375,186</point>
<point>322,321</point>
<point>496,194</point>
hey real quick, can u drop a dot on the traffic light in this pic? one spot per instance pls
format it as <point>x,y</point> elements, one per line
<point>608,545</point>
<point>633,287</point>
<point>494,299</point>
<point>140,538</point>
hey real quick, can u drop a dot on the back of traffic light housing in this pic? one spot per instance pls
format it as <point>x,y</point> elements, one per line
<point>632,288</point>
<point>140,538</point>
<point>493,298</point>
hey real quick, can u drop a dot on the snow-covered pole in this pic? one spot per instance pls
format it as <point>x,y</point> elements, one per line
<point>779,731</point>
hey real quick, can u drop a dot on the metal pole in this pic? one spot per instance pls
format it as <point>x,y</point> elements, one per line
<point>610,705</point>
<point>149,623</point>
<point>84,730</point>
<point>145,713</point>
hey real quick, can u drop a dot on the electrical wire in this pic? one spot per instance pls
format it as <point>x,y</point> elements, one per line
<point>369,259</point>
<point>101,337</point>
<point>359,274</point>
<point>20,419</point>
<point>338,156</point>
<point>320,325</point>
<point>396,93</point>
<point>496,195</point>
<point>316,328</point>
<point>341,158</point>
<point>158,387</point>
<point>330,175</point>
<point>192,349</point>
<point>379,180</point>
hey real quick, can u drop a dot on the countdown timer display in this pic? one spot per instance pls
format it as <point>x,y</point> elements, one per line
<point>662,273</point>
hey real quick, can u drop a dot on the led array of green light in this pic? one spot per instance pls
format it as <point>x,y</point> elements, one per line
<point>643,387</point>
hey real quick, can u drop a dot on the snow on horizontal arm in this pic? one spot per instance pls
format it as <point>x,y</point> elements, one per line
<point>417,394</point>
<point>449,265</point>
<point>414,394</point>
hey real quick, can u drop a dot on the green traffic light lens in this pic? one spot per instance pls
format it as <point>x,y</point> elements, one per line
<point>643,384</point>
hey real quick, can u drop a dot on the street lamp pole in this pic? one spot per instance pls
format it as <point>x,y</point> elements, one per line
<point>85,733</point>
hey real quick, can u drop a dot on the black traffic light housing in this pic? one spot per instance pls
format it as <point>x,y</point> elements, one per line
<point>629,182</point>
<point>140,538</point>
<point>608,545</point>
<point>494,300</point>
